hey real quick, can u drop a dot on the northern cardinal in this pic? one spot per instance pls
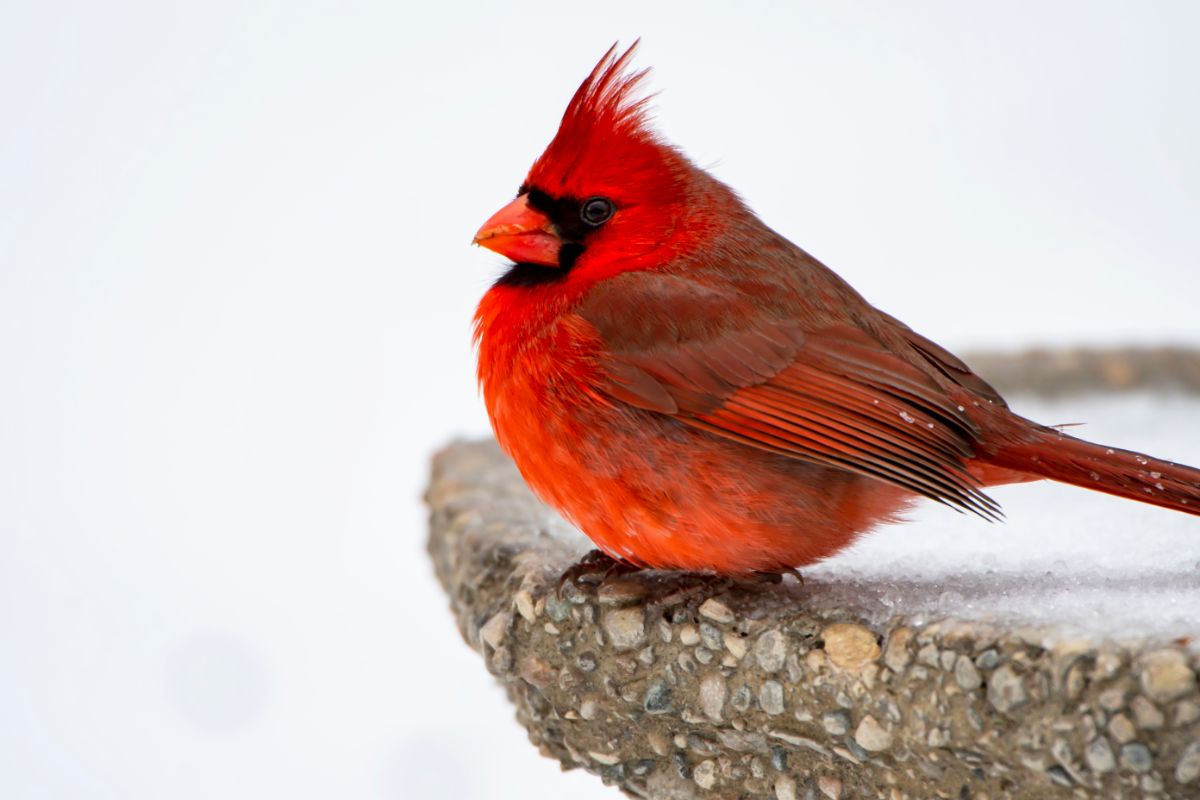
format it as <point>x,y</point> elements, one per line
<point>696,392</point>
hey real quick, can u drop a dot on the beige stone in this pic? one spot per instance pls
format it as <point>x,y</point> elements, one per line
<point>1165,675</point>
<point>849,646</point>
<point>626,627</point>
<point>871,735</point>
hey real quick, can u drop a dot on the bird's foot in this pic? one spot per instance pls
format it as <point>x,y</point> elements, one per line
<point>595,567</point>
<point>777,576</point>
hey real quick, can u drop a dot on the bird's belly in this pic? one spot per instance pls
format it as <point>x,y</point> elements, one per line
<point>649,490</point>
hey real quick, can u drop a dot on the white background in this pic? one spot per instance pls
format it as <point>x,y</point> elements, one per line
<point>235,294</point>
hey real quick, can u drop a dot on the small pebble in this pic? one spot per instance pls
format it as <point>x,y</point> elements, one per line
<point>537,671</point>
<point>830,786</point>
<point>770,697</point>
<point>1188,768</point>
<point>1099,755</point>
<point>714,609</point>
<point>850,647</point>
<point>1186,712</point>
<point>1146,714</point>
<point>741,698</point>
<point>658,697</point>
<point>938,737</point>
<point>712,696</point>
<point>897,655</point>
<point>711,636</point>
<point>1112,699</point>
<point>626,627</point>
<point>524,603</point>
<point>794,671</point>
<point>836,723</point>
<point>1165,675</point>
<point>689,635</point>
<point>928,655</point>
<point>495,629</point>
<point>557,608</point>
<point>1136,756</point>
<point>705,774</point>
<point>1006,690</point>
<point>1121,729</point>
<point>785,788</point>
<point>871,736</point>
<point>736,645</point>
<point>966,675</point>
<point>988,659</point>
<point>770,651</point>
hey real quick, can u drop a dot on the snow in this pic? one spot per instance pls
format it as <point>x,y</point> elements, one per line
<point>235,293</point>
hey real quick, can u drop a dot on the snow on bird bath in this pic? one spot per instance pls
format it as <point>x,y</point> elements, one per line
<point>1065,558</point>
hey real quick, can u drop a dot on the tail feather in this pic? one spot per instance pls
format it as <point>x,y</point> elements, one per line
<point>1049,453</point>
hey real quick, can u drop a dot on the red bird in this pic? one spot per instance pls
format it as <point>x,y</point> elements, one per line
<point>696,392</point>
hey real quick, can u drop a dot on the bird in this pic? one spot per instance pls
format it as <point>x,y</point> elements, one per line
<point>695,392</point>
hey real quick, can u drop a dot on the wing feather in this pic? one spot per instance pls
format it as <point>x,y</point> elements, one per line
<point>835,396</point>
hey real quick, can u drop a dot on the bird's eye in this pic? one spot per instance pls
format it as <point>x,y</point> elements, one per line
<point>595,211</point>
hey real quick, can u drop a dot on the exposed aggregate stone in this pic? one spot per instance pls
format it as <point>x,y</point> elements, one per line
<point>749,692</point>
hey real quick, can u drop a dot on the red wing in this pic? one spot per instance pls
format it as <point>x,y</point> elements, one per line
<point>947,363</point>
<point>834,396</point>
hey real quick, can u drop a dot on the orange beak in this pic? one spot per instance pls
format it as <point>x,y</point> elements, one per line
<point>521,233</point>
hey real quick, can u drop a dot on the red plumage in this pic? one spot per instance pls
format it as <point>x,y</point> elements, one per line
<point>694,391</point>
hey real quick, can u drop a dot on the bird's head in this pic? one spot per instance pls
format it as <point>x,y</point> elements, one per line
<point>606,191</point>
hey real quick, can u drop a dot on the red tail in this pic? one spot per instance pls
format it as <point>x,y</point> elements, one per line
<point>1054,455</point>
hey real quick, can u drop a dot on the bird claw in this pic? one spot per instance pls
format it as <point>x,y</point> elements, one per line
<point>595,567</point>
<point>756,580</point>
<point>795,573</point>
